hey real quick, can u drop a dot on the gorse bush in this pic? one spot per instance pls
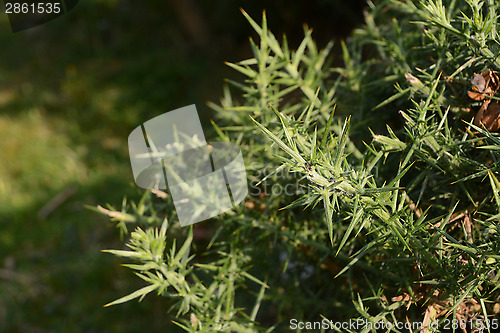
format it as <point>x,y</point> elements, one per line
<point>393,201</point>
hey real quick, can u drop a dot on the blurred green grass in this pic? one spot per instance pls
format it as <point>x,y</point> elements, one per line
<point>71,91</point>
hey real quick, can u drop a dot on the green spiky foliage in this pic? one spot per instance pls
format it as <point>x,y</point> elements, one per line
<point>392,203</point>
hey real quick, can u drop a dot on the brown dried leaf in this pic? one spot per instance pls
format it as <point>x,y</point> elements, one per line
<point>484,85</point>
<point>490,117</point>
<point>159,193</point>
<point>404,297</point>
<point>468,226</point>
<point>413,80</point>
<point>429,316</point>
<point>475,95</point>
<point>492,80</point>
<point>480,113</point>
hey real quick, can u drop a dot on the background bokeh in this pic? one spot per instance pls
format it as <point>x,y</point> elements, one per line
<point>71,91</point>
